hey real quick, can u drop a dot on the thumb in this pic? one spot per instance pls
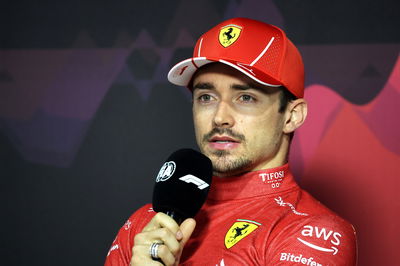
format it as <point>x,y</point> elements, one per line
<point>187,228</point>
<point>185,231</point>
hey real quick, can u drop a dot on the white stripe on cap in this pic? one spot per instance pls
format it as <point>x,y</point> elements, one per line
<point>249,74</point>
<point>198,52</point>
<point>263,52</point>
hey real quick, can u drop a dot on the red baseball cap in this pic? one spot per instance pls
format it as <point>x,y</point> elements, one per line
<point>259,50</point>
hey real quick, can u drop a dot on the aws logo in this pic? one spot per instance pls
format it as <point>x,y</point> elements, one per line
<point>239,230</point>
<point>317,233</point>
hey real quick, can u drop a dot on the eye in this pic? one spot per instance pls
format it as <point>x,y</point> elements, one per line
<point>247,98</point>
<point>204,98</point>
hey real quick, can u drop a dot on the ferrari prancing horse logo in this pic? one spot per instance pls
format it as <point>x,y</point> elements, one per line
<point>239,230</point>
<point>229,34</point>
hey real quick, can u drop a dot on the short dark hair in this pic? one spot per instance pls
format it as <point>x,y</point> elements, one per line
<point>285,98</point>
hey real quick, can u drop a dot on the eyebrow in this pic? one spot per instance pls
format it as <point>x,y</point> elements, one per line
<point>204,86</point>
<point>235,86</point>
<point>210,86</point>
<point>252,86</point>
<point>242,87</point>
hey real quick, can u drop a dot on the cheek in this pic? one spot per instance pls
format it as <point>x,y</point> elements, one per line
<point>263,132</point>
<point>200,122</point>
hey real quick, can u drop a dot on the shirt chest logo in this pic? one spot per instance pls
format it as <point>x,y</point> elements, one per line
<point>239,230</point>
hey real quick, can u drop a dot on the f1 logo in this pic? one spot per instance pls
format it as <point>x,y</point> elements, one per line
<point>194,180</point>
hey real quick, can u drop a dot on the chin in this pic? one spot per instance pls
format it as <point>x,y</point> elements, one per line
<point>229,165</point>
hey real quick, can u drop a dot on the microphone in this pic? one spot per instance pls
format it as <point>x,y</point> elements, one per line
<point>182,184</point>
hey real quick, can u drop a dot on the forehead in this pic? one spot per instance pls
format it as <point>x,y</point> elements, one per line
<point>217,72</point>
<point>220,69</point>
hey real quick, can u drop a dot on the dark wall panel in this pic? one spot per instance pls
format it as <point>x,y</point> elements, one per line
<point>87,116</point>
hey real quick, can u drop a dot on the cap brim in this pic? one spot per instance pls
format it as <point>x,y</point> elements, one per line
<point>182,73</point>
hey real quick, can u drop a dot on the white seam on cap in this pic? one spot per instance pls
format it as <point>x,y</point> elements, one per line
<point>198,52</point>
<point>263,52</point>
<point>247,74</point>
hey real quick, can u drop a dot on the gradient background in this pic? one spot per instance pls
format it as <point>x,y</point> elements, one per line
<point>87,116</point>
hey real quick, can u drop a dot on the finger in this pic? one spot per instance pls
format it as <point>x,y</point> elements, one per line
<point>187,228</point>
<point>183,235</point>
<point>160,235</point>
<point>141,256</point>
<point>161,220</point>
<point>169,239</point>
<point>165,255</point>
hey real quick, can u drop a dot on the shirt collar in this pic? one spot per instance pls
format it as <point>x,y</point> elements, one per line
<point>252,184</point>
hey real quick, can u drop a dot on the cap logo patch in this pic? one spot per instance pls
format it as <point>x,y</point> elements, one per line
<point>229,35</point>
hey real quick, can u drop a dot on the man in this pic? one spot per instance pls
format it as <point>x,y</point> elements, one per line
<point>247,81</point>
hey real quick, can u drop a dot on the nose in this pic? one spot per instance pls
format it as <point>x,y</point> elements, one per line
<point>223,115</point>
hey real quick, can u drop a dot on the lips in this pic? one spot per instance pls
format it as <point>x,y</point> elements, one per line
<point>223,143</point>
<point>223,139</point>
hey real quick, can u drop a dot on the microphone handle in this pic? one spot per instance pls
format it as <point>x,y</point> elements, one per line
<point>174,215</point>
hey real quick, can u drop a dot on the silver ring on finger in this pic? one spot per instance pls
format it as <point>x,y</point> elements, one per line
<point>154,250</point>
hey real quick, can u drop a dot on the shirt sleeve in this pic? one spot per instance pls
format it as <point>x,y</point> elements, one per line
<point>120,253</point>
<point>322,240</point>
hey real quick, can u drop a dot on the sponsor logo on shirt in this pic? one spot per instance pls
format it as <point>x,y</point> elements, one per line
<point>315,233</point>
<point>280,202</point>
<point>274,179</point>
<point>239,230</point>
<point>299,258</point>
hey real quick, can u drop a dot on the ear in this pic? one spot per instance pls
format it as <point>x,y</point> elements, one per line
<point>296,113</point>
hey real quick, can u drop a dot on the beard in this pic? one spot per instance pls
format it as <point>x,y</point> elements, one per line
<point>224,166</point>
<point>224,163</point>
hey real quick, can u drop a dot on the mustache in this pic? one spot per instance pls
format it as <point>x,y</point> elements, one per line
<point>223,131</point>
